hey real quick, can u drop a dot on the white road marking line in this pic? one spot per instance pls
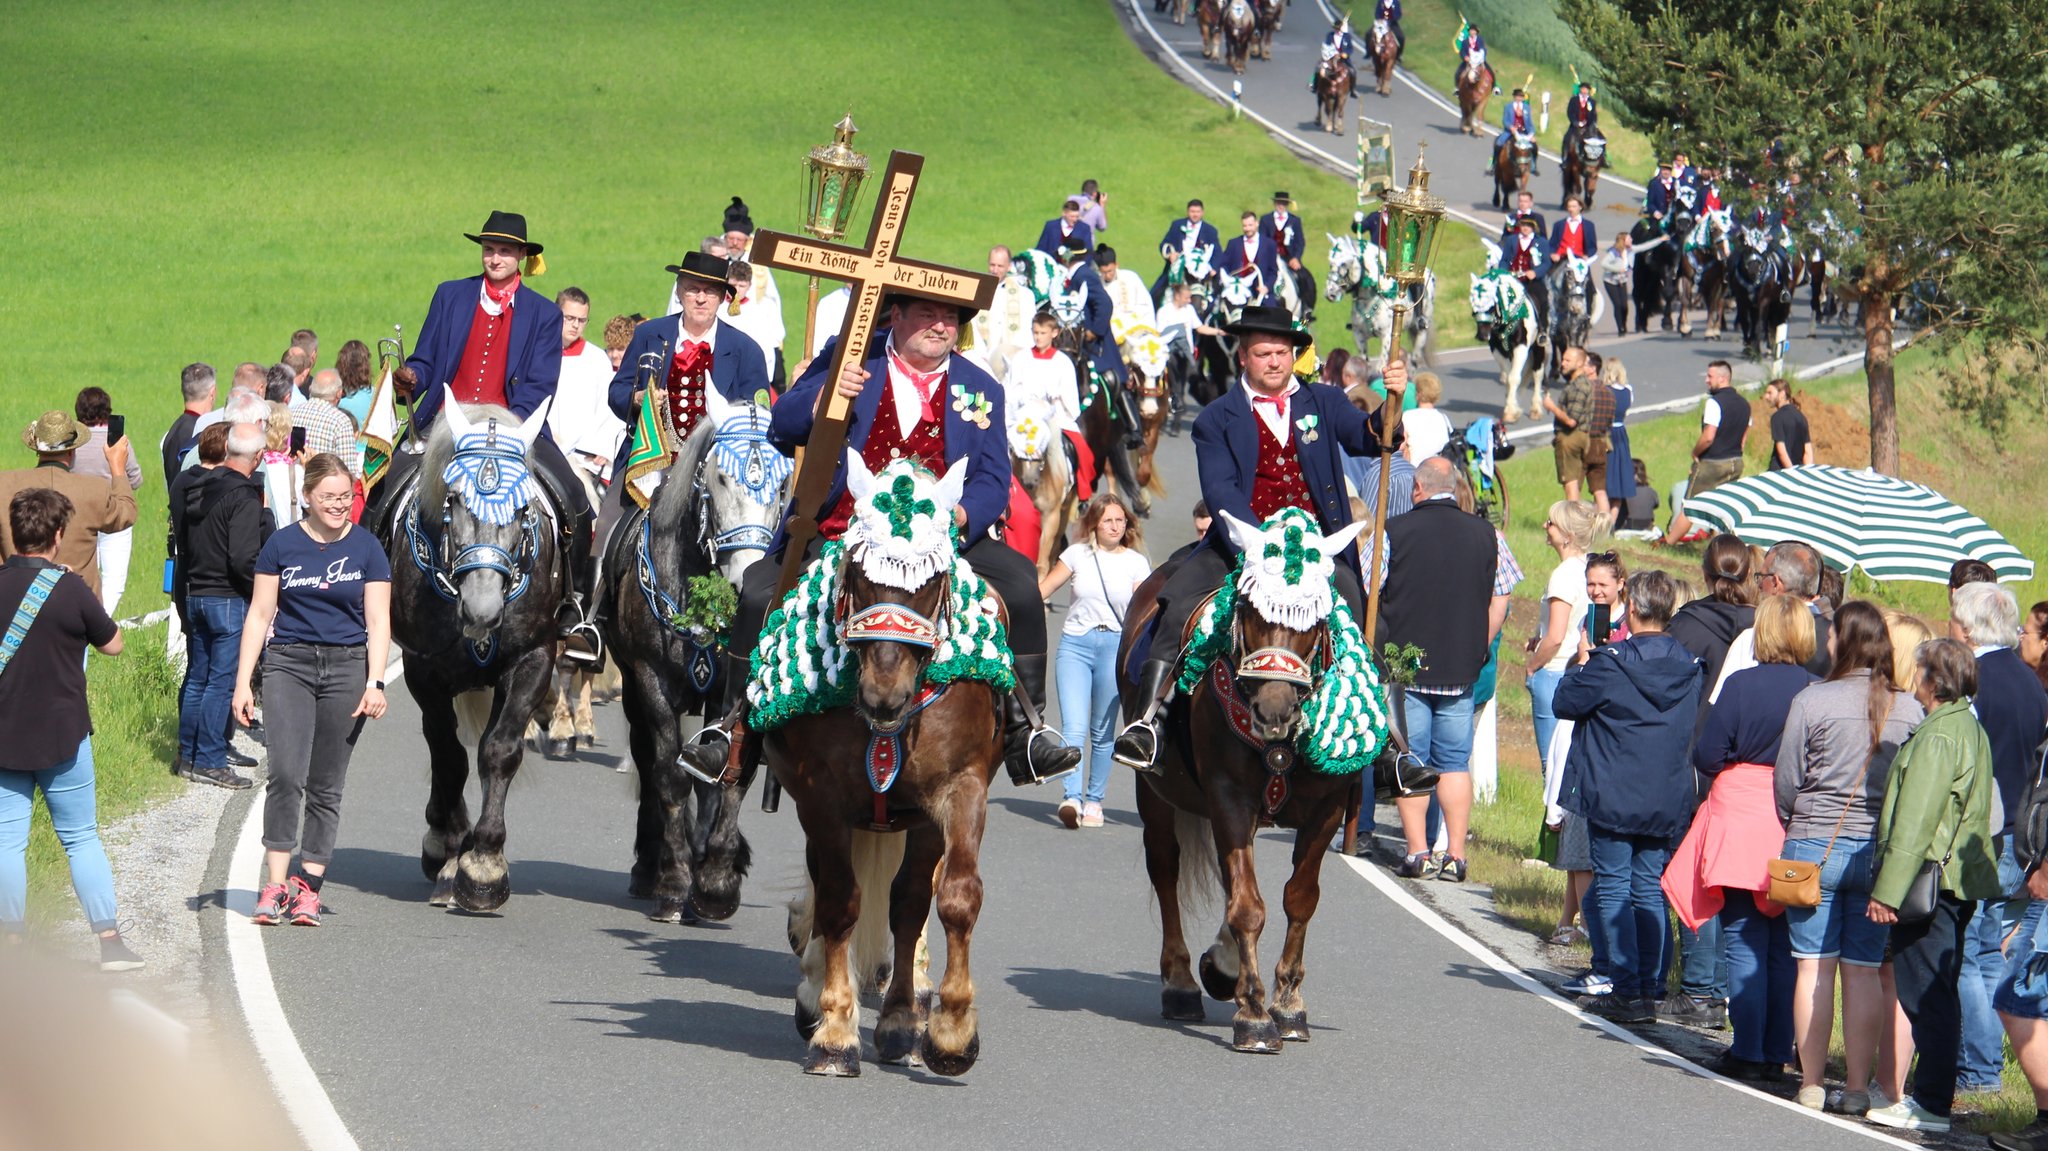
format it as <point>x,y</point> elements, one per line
<point>1437,923</point>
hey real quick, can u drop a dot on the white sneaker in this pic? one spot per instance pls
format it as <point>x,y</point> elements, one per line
<point>1878,1099</point>
<point>1588,984</point>
<point>1908,1115</point>
<point>1091,815</point>
<point>1070,813</point>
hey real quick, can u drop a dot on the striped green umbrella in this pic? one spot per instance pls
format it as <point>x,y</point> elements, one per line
<point>1892,529</point>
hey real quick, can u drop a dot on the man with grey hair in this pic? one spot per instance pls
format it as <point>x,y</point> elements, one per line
<point>245,405</point>
<point>2013,711</point>
<point>281,385</point>
<point>221,528</point>
<point>200,388</point>
<point>1439,596</point>
<point>328,428</point>
<point>1790,567</point>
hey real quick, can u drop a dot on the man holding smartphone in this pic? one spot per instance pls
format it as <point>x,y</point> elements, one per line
<point>319,424</point>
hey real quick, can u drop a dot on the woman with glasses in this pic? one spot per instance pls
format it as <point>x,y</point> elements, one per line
<point>326,585</point>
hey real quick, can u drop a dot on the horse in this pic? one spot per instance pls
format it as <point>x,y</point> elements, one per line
<point>1038,458</point>
<point>712,516</point>
<point>1385,49</point>
<point>1270,13</point>
<point>1101,415</point>
<point>1229,763</point>
<point>1178,9</point>
<point>1656,263</point>
<point>1333,90</point>
<point>900,734</point>
<point>1147,362</point>
<point>1507,322</point>
<point>1765,282</point>
<point>569,717</point>
<point>1358,268</point>
<point>1475,87</point>
<point>1209,20</point>
<point>1702,272</point>
<point>1576,305</point>
<point>1240,34</point>
<point>1511,163</point>
<point>1582,164</point>
<point>476,585</point>
<point>1212,367</point>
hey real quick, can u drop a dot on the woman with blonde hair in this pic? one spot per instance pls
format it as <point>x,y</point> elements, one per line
<point>1621,468</point>
<point>279,469</point>
<point>1569,529</point>
<point>1106,564</point>
<point>1908,633</point>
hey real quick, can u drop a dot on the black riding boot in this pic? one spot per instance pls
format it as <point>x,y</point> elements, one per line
<point>1134,432</point>
<point>1033,754</point>
<point>706,754</point>
<point>1137,745</point>
<point>582,641</point>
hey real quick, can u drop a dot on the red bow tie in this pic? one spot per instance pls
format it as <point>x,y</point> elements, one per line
<point>694,357</point>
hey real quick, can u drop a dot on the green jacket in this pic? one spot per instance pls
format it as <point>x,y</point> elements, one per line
<point>1939,793</point>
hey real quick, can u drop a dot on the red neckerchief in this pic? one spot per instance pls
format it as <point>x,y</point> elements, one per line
<point>1043,353</point>
<point>575,349</point>
<point>926,383</point>
<point>1279,403</point>
<point>693,358</point>
<point>501,294</point>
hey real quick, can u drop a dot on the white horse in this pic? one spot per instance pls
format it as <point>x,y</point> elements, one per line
<point>1360,268</point>
<point>1505,317</point>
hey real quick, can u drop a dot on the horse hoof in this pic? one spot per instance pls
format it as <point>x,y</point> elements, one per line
<point>1255,1036</point>
<point>1293,1027</point>
<point>1222,988</point>
<point>444,893</point>
<point>717,910</point>
<point>807,1022</point>
<point>897,1046</point>
<point>431,865</point>
<point>1181,1004</point>
<point>560,749</point>
<point>673,910</point>
<point>839,1063</point>
<point>942,1063</point>
<point>640,887</point>
<point>482,895</point>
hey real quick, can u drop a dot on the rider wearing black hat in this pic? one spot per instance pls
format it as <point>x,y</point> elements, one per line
<point>1269,443</point>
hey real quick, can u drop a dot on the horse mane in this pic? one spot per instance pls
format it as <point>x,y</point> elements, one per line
<point>441,449</point>
<point>675,510</point>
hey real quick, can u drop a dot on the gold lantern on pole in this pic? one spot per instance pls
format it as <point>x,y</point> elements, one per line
<point>833,175</point>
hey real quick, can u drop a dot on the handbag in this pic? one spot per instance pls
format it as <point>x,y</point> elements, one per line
<point>1547,839</point>
<point>1796,882</point>
<point>1925,890</point>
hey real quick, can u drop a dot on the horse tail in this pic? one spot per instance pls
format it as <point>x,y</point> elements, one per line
<point>1201,874</point>
<point>472,715</point>
<point>877,857</point>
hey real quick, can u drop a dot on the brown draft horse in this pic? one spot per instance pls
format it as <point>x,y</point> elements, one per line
<point>949,742</point>
<point>1153,408</point>
<point>1333,90</point>
<point>1474,89</point>
<point>1211,792</point>
<point>1582,164</point>
<point>1104,431</point>
<point>1270,13</point>
<point>1240,34</point>
<point>1511,164</point>
<point>1209,18</point>
<point>1385,49</point>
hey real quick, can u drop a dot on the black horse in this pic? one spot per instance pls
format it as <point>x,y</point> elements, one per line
<point>706,519</point>
<point>1655,267</point>
<point>476,582</point>
<point>1764,278</point>
<point>1107,416</point>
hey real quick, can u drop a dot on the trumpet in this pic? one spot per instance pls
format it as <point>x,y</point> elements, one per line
<point>652,368</point>
<point>391,350</point>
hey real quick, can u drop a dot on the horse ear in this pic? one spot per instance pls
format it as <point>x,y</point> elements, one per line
<point>1245,536</point>
<point>1340,539</point>
<point>536,423</point>
<point>458,420</point>
<point>951,486</point>
<point>860,482</point>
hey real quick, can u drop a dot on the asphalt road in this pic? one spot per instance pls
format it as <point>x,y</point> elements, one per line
<point>1663,367</point>
<point>570,1020</point>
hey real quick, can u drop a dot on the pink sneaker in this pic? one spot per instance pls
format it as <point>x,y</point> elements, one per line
<point>270,905</point>
<point>305,904</point>
<point>1091,815</point>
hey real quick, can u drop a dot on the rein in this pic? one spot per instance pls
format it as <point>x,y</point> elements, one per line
<point>430,555</point>
<point>1262,665</point>
<point>890,622</point>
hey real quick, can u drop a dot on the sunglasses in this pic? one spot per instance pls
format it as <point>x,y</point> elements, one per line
<point>1608,558</point>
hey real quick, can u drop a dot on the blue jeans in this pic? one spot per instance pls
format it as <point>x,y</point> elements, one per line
<point>1633,914</point>
<point>1543,689</point>
<point>1761,973</point>
<point>1440,735</point>
<point>1704,956</point>
<point>68,790</point>
<point>1085,671</point>
<point>1983,1056</point>
<point>213,642</point>
<point>2022,992</point>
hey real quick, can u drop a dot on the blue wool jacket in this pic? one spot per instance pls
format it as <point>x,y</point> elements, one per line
<point>1745,725</point>
<point>2014,711</point>
<point>533,353</point>
<point>1629,772</point>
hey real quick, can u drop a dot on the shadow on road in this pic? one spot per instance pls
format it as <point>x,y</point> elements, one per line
<point>756,1032</point>
<point>690,954</point>
<point>397,877</point>
<point>1132,997</point>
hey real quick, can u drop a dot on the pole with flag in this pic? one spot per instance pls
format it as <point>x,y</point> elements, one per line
<point>381,429</point>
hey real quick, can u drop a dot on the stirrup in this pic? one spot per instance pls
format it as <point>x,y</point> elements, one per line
<point>583,643</point>
<point>712,739</point>
<point>1058,745</point>
<point>1145,729</point>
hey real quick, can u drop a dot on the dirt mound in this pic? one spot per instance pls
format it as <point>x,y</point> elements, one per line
<point>1842,438</point>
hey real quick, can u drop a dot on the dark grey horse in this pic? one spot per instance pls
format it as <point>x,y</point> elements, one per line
<point>713,513</point>
<point>476,581</point>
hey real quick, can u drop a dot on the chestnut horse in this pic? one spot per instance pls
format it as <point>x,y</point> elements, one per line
<point>1209,19</point>
<point>1333,90</point>
<point>1386,48</point>
<point>939,746</point>
<point>1270,13</point>
<point>1475,87</point>
<point>1226,766</point>
<point>1240,34</point>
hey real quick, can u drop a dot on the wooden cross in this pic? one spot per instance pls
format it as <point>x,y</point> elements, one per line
<point>873,271</point>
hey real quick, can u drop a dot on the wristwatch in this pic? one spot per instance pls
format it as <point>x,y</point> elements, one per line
<point>378,684</point>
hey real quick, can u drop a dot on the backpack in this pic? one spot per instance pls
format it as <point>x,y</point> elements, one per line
<point>2030,825</point>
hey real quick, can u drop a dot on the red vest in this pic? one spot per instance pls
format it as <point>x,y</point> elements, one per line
<point>1277,481</point>
<point>480,373</point>
<point>1571,237</point>
<point>886,444</point>
<point>686,389</point>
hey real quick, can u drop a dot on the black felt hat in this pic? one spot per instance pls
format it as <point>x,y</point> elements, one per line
<point>1269,322</point>
<point>704,266</point>
<point>509,227</point>
<point>1074,247</point>
<point>737,218</point>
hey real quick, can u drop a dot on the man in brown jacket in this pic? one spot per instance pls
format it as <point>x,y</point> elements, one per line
<point>100,504</point>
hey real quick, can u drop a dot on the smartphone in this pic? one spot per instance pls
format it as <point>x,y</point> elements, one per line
<point>1599,622</point>
<point>298,440</point>
<point>117,426</point>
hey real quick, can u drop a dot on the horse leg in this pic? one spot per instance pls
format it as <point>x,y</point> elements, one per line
<point>1518,363</point>
<point>586,723</point>
<point>1180,998</point>
<point>910,904</point>
<point>952,1040</point>
<point>561,738</point>
<point>447,810</point>
<point>483,881</point>
<point>650,827</point>
<point>827,1003</point>
<point>1304,889</point>
<point>1252,1028</point>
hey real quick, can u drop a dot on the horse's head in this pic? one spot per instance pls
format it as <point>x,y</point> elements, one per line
<point>740,489</point>
<point>1286,591</point>
<point>1592,146</point>
<point>1032,435</point>
<point>1485,301</point>
<point>478,481</point>
<point>1344,267</point>
<point>896,589</point>
<point>1237,290</point>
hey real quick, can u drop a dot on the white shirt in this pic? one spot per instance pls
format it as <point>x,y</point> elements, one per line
<point>1276,420</point>
<point>1103,582</point>
<point>581,419</point>
<point>1130,302</point>
<point>1178,322</point>
<point>1030,383</point>
<point>762,322</point>
<point>831,314</point>
<point>1428,431</point>
<point>1567,583</point>
<point>903,393</point>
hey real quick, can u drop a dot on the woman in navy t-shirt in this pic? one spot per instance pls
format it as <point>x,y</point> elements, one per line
<point>326,586</point>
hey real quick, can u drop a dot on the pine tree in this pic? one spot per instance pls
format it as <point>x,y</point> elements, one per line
<point>1917,128</point>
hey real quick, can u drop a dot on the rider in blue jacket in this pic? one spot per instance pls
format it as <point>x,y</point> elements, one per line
<point>1516,119</point>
